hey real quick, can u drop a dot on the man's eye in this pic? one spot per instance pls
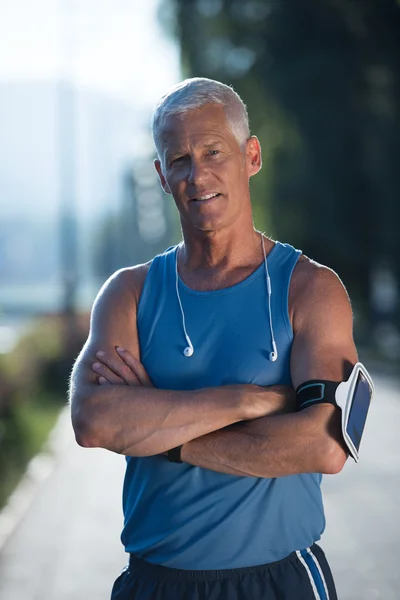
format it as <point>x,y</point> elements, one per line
<point>213,152</point>
<point>177,159</point>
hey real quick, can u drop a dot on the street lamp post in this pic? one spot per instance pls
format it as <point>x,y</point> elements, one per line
<point>67,169</point>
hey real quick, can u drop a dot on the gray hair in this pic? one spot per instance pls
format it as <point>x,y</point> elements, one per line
<point>195,93</point>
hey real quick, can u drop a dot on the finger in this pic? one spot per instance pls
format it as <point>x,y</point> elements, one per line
<point>117,367</point>
<point>135,365</point>
<point>103,381</point>
<point>103,371</point>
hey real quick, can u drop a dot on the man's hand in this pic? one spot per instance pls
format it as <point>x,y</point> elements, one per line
<point>120,369</point>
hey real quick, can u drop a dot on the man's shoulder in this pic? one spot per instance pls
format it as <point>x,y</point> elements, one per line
<point>314,288</point>
<point>131,276</point>
<point>126,283</point>
<point>309,273</point>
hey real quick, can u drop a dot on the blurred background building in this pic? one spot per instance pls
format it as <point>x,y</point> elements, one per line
<point>78,82</point>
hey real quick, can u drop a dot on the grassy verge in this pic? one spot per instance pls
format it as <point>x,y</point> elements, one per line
<point>33,390</point>
<point>25,431</point>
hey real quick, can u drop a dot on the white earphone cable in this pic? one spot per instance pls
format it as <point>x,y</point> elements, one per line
<point>189,350</point>
<point>274,354</point>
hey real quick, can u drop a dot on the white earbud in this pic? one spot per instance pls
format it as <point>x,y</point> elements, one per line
<point>188,351</point>
<point>274,354</point>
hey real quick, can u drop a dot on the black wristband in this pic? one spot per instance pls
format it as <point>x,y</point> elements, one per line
<point>174,455</point>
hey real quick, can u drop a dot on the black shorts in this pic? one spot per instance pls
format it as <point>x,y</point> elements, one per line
<point>303,575</point>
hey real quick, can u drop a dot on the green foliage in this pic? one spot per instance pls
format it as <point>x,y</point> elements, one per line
<point>33,387</point>
<point>23,430</point>
<point>42,343</point>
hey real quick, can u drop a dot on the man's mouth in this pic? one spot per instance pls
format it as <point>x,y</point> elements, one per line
<point>206,197</point>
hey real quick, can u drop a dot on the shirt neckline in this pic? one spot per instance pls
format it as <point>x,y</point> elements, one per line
<point>232,288</point>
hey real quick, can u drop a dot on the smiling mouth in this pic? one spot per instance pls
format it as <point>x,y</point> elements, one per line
<point>206,197</point>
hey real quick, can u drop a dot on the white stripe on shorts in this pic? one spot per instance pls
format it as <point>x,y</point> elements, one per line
<point>311,578</point>
<point>315,559</point>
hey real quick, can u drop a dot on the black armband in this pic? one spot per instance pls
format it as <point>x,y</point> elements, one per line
<point>353,397</point>
<point>316,391</point>
<point>174,455</point>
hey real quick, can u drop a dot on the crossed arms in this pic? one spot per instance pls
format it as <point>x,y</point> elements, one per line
<point>238,429</point>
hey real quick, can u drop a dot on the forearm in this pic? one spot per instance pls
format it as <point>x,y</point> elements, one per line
<point>272,446</point>
<point>142,421</point>
<point>139,421</point>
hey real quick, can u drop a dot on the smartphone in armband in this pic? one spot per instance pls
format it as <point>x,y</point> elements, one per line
<point>354,398</point>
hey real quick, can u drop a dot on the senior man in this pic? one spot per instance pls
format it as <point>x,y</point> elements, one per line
<point>189,371</point>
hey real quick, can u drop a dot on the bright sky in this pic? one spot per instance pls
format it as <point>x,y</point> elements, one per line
<point>112,45</point>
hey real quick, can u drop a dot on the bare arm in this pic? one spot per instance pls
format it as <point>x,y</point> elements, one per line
<point>139,420</point>
<point>310,440</point>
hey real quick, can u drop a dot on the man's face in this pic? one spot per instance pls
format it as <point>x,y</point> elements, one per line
<point>204,168</point>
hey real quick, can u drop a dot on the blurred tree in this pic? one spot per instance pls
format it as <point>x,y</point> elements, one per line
<point>321,79</point>
<point>142,226</point>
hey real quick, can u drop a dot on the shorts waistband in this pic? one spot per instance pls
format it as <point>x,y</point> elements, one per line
<point>160,572</point>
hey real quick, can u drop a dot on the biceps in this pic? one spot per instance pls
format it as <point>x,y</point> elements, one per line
<point>315,357</point>
<point>113,324</point>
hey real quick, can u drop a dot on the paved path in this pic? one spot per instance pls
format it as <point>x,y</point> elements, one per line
<point>362,538</point>
<point>67,546</point>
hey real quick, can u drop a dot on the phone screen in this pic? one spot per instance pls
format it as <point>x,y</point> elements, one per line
<point>359,410</point>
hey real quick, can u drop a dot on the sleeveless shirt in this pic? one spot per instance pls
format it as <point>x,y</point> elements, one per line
<point>187,517</point>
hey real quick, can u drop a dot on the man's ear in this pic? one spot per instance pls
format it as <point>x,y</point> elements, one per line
<point>253,155</point>
<point>163,181</point>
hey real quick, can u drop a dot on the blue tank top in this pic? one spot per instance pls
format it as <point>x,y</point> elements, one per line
<point>187,517</point>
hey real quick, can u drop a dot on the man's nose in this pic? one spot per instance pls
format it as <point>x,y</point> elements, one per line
<point>196,172</point>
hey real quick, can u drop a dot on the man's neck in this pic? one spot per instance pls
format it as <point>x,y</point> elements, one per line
<point>220,249</point>
<point>220,262</point>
